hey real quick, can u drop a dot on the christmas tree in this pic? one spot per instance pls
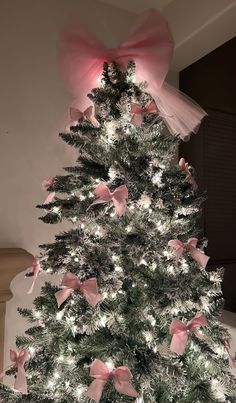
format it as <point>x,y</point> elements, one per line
<point>137,316</point>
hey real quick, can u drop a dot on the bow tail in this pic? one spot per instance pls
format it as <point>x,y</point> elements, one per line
<point>179,342</point>
<point>181,114</point>
<point>137,119</point>
<point>95,390</point>
<point>62,295</point>
<point>200,257</point>
<point>21,382</point>
<point>125,388</point>
<point>32,285</point>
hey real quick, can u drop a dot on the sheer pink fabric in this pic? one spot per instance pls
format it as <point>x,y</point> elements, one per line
<point>150,45</point>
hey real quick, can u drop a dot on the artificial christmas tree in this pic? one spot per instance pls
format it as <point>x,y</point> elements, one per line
<point>136,317</point>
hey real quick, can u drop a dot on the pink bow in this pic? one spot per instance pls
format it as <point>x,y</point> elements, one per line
<point>230,358</point>
<point>71,282</point>
<point>121,378</point>
<point>77,115</point>
<point>47,183</point>
<point>180,332</point>
<point>185,167</point>
<point>118,197</point>
<point>34,271</point>
<point>19,359</point>
<point>139,112</point>
<point>189,246</point>
<point>150,46</point>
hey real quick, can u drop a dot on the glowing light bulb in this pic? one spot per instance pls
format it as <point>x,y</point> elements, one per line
<point>31,350</point>
<point>110,364</point>
<point>56,375</point>
<point>59,315</point>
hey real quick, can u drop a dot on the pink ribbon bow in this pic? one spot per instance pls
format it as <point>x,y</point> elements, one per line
<point>230,358</point>
<point>19,359</point>
<point>77,115</point>
<point>46,184</point>
<point>34,271</point>
<point>118,197</point>
<point>71,283</point>
<point>185,167</point>
<point>121,378</point>
<point>189,246</point>
<point>180,332</point>
<point>150,45</point>
<point>138,112</point>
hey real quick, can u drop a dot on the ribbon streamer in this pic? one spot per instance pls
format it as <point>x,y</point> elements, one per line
<point>34,272</point>
<point>180,332</point>
<point>71,283</point>
<point>189,246</point>
<point>77,115</point>
<point>118,197</point>
<point>184,166</point>
<point>138,112</point>
<point>230,358</point>
<point>150,45</point>
<point>19,359</point>
<point>121,377</point>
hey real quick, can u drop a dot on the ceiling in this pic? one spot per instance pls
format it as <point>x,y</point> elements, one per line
<point>136,6</point>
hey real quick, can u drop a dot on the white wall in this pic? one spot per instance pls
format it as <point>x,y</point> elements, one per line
<point>33,104</point>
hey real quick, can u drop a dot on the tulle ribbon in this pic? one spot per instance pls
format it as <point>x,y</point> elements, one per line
<point>19,359</point>
<point>34,272</point>
<point>121,377</point>
<point>138,112</point>
<point>150,45</point>
<point>71,283</point>
<point>77,115</point>
<point>118,197</point>
<point>190,246</point>
<point>185,168</point>
<point>180,332</point>
<point>230,358</point>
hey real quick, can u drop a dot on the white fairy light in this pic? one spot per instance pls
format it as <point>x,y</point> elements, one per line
<point>61,358</point>
<point>55,209</point>
<point>128,228</point>
<point>37,314</point>
<point>113,295</point>
<point>67,384</point>
<point>82,226</point>
<point>79,391</point>
<point>105,294</point>
<point>59,315</point>
<point>103,320</point>
<point>112,215</point>
<point>70,361</point>
<point>74,219</point>
<point>56,375</point>
<point>156,179</point>
<point>82,197</point>
<point>148,337</point>
<point>31,350</point>
<point>170,269</point>
<point>143,261</point>
<point>151,319</point>
<point>50,384</point>
<point>153,266</point>
<point>118,269</point>
<point>115,258</point>
<point>76,259</point>
<point>49,270</point>
<point>110,364</point>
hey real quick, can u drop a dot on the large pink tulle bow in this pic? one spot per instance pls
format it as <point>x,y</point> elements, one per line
<point>180,332</point>
<point>190,246</point>
<point>185,168</point>
<point>118,197</point>
<point>121,378</point>
<point>138,112</point>
<point>230,358</point>
<point>71,282</point>
<point>150,45</point>
<point>19,359</point>
<point>34,272</point>
<point>77,115</point>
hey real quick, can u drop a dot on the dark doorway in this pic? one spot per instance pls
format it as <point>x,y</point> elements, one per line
<point>211,81</point>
